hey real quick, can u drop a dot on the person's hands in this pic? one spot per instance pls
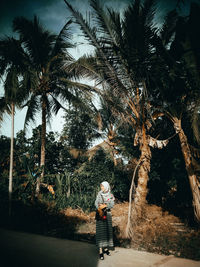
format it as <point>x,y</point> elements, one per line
<point>102,206</point>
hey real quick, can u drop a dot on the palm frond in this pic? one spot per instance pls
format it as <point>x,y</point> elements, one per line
<point>87,89</point>
<point>11,85</point>
<point>104,22</point>
<point>148,12</point>
<point>56,105</point>
<point>39,43</point>
<point>168,27</point>
<point>84,67</point>
<point>11,53</point>
<point>63,41</point>
<point>116,23</point>
<point>33,107</point>
<point>90,34</point>
<point>4,108</point>
<point>77,99</point>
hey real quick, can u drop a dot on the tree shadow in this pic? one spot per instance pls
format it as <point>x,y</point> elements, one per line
<point>26,249</point>
<point>40,225</point>
<point>38,218</point>
<point>37,235</point>
<point>118,240</point>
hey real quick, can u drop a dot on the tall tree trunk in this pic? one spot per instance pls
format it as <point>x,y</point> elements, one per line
<point>128,226</point>
<point>68,185</point>
<point>10,187</point>
<point>193,179</point>
<point>143,167</point>
<point>143,175</point>
<point>43,141</point>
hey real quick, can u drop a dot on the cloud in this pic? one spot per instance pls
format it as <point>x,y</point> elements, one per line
<point>11,9</point>
<point>52,13</point>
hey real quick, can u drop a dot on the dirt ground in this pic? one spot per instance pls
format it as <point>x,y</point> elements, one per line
<point>160,232</point>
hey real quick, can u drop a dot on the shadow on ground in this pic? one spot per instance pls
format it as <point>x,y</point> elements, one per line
<point>39,218</point>
<point>24,249</point>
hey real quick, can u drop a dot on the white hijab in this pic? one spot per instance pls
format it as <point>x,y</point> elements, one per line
<point>106,194</point>
<point>106,186</point>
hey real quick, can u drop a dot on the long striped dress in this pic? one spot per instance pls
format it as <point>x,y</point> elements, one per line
<point>104,231</point>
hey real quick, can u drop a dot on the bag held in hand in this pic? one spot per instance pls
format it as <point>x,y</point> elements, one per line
<point>101,214</point>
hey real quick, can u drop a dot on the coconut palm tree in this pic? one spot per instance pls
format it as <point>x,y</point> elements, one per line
<point>122,65</point>
<point>179,85</point>
<point>107,129</point>
<point>45,56</point>
<point>10,71</point>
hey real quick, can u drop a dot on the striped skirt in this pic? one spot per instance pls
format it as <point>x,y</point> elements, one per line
<point>104,233</point>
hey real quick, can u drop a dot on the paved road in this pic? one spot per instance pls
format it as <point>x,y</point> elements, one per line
<point>23,249</point>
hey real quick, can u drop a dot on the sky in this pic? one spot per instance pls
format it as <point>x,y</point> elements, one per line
<point>53,14</point>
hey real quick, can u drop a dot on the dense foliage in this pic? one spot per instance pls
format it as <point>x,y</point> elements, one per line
<point>75,180</point>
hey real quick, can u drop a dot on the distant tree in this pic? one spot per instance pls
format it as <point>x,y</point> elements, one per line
<point>4,155</point>
<point>12,69</point>
<point>45,55</point>
<point>80,127</point>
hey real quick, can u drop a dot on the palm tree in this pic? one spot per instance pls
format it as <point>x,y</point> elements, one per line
<point>45,56</point>
<point>107,126</point>
<point>122,65</point>
<point>11,69</point>
<point>179,85</point>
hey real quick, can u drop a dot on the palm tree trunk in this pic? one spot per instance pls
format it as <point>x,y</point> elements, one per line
<point>143,176</point>
<point>193,179</point>
<point>43,141</point>
<point>10,187</point>
<point>136,213</point>
<point>128,226</point>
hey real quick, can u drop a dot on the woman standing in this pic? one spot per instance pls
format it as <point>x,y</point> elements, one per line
<point>104,233</point>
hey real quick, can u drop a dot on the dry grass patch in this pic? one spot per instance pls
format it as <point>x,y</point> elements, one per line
<point>158,232</point>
